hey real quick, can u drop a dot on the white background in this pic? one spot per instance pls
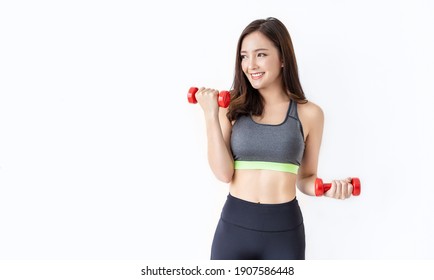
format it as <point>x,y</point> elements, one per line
<point>101,156</point>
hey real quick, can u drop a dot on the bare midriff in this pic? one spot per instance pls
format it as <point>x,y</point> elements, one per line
<point>263,186</point>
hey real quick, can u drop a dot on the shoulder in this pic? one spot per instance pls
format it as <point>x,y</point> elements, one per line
<point>311,117</point>
<point>310,111</point>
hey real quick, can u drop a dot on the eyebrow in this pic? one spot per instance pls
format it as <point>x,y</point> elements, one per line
<point>257,50</point>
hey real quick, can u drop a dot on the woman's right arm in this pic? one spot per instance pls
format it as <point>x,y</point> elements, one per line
<point>218,131</point>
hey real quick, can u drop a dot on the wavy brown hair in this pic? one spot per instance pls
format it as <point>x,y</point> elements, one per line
<point>245,99</point>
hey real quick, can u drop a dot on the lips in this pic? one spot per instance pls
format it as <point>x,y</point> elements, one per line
<point>256,76</point>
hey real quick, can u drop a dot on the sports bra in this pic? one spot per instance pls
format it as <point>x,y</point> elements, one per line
<point>277,147</point>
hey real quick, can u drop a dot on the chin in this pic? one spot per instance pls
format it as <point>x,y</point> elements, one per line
<point>255,85</point>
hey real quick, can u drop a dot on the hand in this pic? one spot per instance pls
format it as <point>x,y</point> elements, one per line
<point>208,99</point>
<point>340,189</point>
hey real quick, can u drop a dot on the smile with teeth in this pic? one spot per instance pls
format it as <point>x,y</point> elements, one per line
<point>257,75</point>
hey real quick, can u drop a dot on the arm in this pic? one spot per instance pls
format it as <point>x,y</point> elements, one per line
<point>218,131</point>
<point>312,118</point>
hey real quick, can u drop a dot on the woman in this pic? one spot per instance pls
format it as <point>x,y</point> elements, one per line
<point>264,144</point>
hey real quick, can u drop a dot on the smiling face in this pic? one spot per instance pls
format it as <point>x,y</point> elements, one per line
<point>260,61</point>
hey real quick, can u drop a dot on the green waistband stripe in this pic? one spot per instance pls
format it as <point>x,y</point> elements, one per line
<point>277,166</point>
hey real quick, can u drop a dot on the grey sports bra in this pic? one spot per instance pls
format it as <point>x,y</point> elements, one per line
<point>265,146</point>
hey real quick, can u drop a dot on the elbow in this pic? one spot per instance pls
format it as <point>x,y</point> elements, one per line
<point>223,172</point>
<point>226,180</point>
<point>225,177</point>
<point>303,190</point>
<point>306,184</point>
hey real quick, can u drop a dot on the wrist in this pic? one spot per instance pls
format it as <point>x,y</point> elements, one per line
<point>211,115</point>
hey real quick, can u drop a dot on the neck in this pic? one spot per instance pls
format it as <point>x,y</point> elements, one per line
<point>274,95</point>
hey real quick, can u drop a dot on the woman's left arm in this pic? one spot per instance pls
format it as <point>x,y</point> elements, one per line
<point>312,120</point>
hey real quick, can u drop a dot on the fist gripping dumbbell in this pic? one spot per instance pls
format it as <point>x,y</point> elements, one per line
<point>321,188</point>
<point>224,97</point>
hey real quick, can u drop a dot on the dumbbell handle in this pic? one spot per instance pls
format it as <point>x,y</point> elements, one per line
<point>321,188</point>
<point>224,97</point>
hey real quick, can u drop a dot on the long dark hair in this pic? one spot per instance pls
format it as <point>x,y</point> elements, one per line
<point>245,99</point>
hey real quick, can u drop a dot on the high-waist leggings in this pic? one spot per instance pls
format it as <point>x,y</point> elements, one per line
<point>254,231</point>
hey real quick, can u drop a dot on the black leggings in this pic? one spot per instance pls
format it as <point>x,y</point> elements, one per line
<point>254,231</point>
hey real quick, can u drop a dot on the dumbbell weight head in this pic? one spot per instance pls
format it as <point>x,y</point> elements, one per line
<point>224,98</point>
<point>319,187</point>
<point>191,95</point>
<point>356,186</point>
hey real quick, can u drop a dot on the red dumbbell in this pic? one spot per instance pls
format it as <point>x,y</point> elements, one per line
<point>224,97</point>
<point>321,188</point>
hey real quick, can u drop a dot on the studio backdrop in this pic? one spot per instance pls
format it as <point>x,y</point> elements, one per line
<point>102,157</point>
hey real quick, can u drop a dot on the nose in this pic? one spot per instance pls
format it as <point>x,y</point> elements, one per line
<point>252,63</point>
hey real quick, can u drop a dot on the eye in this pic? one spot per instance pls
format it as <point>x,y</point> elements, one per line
<point>243,57</point>
<point>261,55</point>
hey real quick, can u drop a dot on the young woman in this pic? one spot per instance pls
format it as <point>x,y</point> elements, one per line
<point>264,144</point>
